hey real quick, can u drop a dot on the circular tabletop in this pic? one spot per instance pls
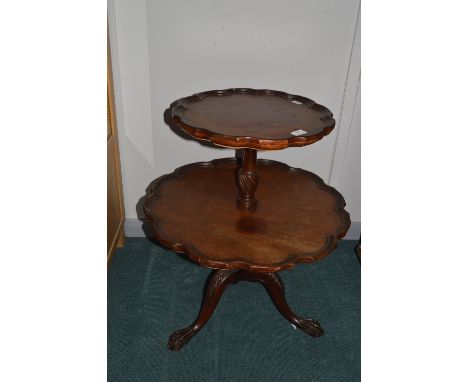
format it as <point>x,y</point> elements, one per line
<point>251,118</point>
<point>298,219</point>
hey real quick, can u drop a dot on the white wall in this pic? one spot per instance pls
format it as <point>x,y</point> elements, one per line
<point>167,49</point>
<point>345,171</point>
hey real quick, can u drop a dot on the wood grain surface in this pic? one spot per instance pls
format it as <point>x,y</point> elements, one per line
<point>251,118</point>
<point>298,218</point>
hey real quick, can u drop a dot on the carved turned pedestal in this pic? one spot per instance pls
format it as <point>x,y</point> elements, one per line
<point>247,218</point>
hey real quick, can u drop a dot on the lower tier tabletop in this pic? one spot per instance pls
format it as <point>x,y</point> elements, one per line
<point>298,219</point>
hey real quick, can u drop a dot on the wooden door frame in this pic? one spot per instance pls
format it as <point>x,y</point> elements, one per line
<point>112,139</point>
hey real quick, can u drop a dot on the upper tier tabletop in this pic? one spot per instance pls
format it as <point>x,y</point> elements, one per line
<point>250,118</point>
<point>194,211</point>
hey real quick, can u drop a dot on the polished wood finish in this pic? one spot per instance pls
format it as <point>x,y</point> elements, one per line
<point>115,207</point>
<point>247,218</point>
<point>215,287</point>
<point>247,181</point>
<point>298,218</point>
<point>251,118</point>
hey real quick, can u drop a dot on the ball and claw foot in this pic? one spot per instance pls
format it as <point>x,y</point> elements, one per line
<point>216,285</point>
<point>180,337</point>
<point>311,327</point>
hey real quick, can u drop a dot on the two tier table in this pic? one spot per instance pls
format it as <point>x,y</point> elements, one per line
<point>248,218</point>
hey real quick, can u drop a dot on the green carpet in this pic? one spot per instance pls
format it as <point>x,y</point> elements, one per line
<point>153,291</point>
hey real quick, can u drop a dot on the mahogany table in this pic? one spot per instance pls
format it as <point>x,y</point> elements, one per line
<point>246,218</point>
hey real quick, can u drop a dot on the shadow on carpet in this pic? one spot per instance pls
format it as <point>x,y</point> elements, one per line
<point>153,292</point>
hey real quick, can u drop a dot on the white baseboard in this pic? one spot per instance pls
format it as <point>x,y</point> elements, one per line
<point>354,232</point>
<point>134,228</point>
